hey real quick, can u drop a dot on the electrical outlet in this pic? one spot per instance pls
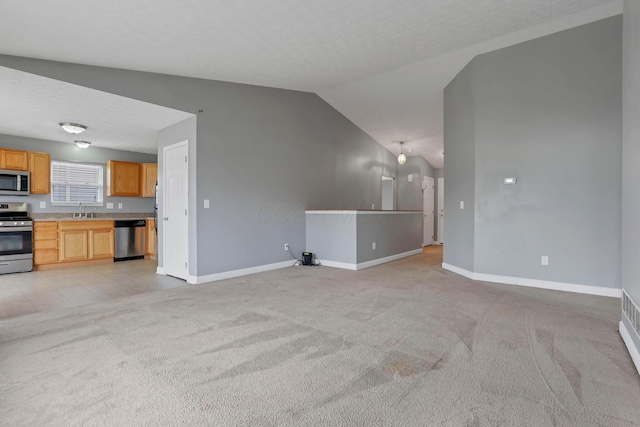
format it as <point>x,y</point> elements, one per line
<point>374,246</point>
<point>286,246</point>
<point>119,205</point>
<point>109,205</point>
<point>43,205</point>
<point>206,203</point>
<point>544,260</point>
<point>373,207</point>
<point>461,204</point>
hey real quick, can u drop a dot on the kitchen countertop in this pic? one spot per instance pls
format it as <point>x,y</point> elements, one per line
<point>97,217</point>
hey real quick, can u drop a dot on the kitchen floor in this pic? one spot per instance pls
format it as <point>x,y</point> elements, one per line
<point>36,291</point>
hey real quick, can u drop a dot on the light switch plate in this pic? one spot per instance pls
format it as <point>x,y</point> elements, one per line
<point>119,205</point>
<point>461,204</point>
<point>43,205</point>
<point>410,178</point>
<point>206,203</point>
<point>109,205</point>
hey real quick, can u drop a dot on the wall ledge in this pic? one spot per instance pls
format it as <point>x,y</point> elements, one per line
<point>534,283</point>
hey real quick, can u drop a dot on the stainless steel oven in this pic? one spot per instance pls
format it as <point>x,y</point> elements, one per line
<point>16,238</point>
<point>14,183</point>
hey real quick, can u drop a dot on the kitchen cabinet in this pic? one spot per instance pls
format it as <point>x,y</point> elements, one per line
<point>123,178</point>
<point>39,166</point>
<point>14,159</point>
<point>149,179</point>
<point>45,242</point>
<point>85,240</point>
<point>150,234</point>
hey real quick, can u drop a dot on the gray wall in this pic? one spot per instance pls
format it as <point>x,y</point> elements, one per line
<point>393,234</point>
<point>437,173</point>
<point>459,170</point>
<point>548,112</point>
<point>410,193</point>
<point>263,156</point>
<point>631,151</point>
<point>69,152</point>
<point>332,236</point>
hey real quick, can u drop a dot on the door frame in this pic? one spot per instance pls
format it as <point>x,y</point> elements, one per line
<point>161,215</point>
<point>440,210</point>
<point>427,180</point>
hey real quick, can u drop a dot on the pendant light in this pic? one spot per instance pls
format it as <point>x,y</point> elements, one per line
<point>402,158</point>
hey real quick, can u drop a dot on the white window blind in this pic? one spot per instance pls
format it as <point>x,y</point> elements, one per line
<point>76,182</point>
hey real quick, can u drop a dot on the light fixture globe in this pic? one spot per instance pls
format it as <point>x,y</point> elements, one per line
<point>82,144</point>
<point>73,128</point>
<point>402,158</point>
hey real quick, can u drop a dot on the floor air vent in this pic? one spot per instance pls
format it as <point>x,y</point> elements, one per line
<point>632,311</point>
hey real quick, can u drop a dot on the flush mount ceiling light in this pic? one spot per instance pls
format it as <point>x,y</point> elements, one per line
<point>73,128</point>
<point>82,144</point>
<point>402,158</point>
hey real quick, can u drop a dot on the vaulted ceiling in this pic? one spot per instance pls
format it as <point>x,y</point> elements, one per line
<point>383,64</point>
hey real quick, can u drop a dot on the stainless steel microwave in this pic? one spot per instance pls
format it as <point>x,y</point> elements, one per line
<point>14,183</point>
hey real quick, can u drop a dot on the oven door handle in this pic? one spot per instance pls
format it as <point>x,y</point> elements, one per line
<point>11,229</point>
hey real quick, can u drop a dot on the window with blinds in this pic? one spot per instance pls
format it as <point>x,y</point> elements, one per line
<point>76,182</point>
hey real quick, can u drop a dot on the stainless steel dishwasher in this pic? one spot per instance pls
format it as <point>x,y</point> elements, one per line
<point>129,239</point>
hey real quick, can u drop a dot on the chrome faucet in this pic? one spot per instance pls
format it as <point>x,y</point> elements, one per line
<point>80,214</point>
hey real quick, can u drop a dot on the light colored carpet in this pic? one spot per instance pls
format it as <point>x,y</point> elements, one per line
<point>402,344</point>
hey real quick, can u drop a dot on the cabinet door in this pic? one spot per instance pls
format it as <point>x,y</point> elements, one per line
<point>123,178</point>
<point>73,245</point>
<point>101,244</point>
<point>149,178</point>
<point>151,238</point>
<point>14,160</point>
<point>39,164</point>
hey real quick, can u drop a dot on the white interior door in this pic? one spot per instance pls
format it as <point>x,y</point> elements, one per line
<point>427,195</point>
<point>174,212</point>
<point>441,210</point>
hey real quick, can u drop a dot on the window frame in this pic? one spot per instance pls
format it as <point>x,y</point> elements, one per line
<point>99,186</point>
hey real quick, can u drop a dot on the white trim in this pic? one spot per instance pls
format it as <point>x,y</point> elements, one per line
<point>237,273</point>
<point>364,212</point>
<point>372,263</point>
<point>160,270</point>
<point>534,283</point>
<point>336,264</point>
<point>633,350</point>
<point>379,261</point>
<point>461,271</point>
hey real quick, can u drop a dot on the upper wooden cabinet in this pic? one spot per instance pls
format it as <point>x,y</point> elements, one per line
<point>148,180</point>
<point>39,164</point>
<point>14,159</point>
<point>123,178</point>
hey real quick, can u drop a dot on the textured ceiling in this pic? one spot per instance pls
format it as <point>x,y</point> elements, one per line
<point>330,47</point>
<point>32,106</point>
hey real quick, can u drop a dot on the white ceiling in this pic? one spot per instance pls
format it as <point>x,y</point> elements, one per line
<point>382,63</point>
<point>32,106</point>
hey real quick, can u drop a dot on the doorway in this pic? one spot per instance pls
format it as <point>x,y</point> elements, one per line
<point>174,209</point>
<point>427,196</point>
<point>387,193</point>
<point>441,211</point>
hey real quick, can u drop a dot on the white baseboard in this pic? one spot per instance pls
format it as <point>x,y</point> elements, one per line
<point>237,273</point>
<point>160,270</point>
<point>372,263</point>
<point>633,350</point>
<point>534,283</point>
<point>336,264</point>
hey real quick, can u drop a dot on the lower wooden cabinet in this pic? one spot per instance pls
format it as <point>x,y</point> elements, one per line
<point>45,242</point>
<point>85,240</point>
<point>59,242</point>
<point>150,234</point>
